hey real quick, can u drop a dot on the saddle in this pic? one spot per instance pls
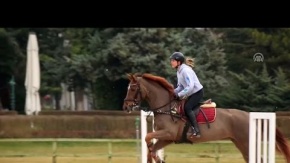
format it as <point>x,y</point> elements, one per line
<point>202,105</point>
<point>206,113</point>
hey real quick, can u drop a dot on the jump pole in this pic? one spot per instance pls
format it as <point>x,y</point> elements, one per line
<point>262,142</point>
<point>144,149</point>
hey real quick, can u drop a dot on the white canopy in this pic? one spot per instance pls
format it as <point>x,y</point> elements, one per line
<point>32,80</point>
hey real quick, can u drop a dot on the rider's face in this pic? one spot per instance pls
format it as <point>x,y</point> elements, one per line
<point>173,63</point>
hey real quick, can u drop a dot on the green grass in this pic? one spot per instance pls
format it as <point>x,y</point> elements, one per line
<point>97,152</point>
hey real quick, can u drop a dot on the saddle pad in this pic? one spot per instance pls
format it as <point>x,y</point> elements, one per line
<point>210,114</point>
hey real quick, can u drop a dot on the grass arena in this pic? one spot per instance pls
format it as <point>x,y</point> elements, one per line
<point>111,151</point>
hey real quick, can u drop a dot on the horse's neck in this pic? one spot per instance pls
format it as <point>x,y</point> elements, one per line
<point>156,94</point>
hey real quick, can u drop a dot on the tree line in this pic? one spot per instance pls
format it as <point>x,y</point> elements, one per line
<point>98,59</point>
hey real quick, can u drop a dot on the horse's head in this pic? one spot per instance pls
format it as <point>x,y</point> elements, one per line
<point>157,91</point>
<point>133,98</point>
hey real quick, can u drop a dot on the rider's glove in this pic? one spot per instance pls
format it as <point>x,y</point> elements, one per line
<point>176,96</point>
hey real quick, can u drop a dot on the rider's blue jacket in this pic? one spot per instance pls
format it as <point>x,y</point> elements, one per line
<point>188,83</point>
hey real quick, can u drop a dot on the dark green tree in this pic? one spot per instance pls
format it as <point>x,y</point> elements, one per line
<point>129,50</point>
<point>274,44</point>
<point>281,88</point>
<point>205,46</point>
<point>240,47</point>
<point>255,91</point>
<point>11,64</point>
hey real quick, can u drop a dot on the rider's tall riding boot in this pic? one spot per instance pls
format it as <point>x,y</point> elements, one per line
<point>194,124</point>
<point>196,127</point>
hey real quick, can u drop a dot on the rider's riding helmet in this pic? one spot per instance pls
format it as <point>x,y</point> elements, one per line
<point>178,57</point>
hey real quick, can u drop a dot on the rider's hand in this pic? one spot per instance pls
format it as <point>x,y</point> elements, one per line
<point>176,96</point>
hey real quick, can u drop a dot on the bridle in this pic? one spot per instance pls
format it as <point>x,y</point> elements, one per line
<point>137,103</point>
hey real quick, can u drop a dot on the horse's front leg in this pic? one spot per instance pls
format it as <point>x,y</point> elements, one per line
<point>164,138</point>
<point>157,146</point>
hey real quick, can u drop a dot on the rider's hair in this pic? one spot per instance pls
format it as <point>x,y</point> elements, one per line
<point>189,61</point>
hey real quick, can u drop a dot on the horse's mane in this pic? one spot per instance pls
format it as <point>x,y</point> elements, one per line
<point>160,80</point>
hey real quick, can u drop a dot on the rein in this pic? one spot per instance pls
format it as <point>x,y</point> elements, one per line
<point>136,103</point>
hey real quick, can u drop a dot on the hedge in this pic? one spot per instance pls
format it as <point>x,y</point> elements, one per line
<point>88,124</point>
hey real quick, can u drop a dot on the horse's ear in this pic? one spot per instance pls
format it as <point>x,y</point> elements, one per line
<point>131,77</point>
<point>134,78</point>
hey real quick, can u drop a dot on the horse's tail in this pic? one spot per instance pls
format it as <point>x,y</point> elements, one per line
<point>282,145</point>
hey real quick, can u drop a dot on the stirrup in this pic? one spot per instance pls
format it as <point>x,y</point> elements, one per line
<point>194,133</point>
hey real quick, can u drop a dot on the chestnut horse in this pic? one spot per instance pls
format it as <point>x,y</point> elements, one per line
<point>232,124</point>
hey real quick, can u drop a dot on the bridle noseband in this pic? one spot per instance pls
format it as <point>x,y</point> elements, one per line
<point>136,102</point>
